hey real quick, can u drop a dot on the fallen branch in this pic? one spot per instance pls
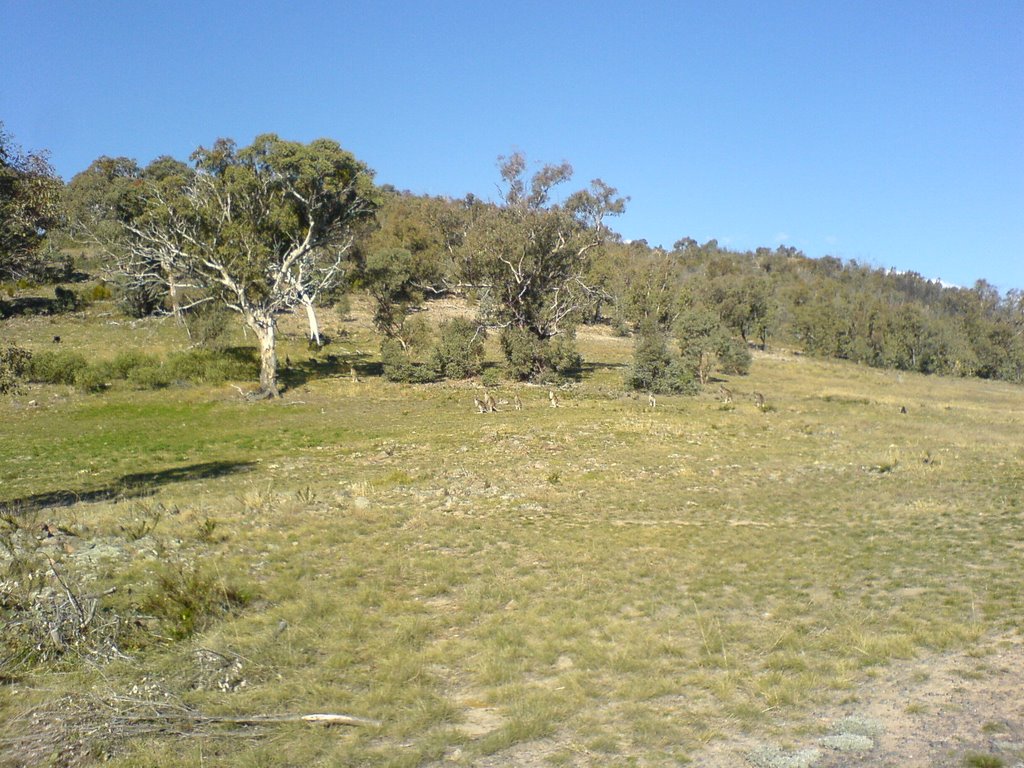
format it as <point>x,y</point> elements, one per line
<point>323,718</point>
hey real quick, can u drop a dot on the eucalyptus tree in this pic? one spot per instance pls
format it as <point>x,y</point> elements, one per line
<point>527,257</point>
<point>103,200</point>
<point>30,204</point>
<point>264,228</point>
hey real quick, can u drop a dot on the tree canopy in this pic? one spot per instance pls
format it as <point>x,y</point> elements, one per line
<point>30,205</point>
<point>528,257</point>
<point>264,227</point>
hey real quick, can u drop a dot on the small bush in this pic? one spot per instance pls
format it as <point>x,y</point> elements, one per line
<point>194,365</point>
<point>209,325</point>
<point>99,292</point>
<point>342,305</point>
<point>91,379</point>
<point>460,351</point>
<point>140,301</point>
<point>14,361</point>
<point>66,300</point>
<point>149,377</point>
<point>530,357</point>
<point>187,599</point>
<point>124,363</point>
<point>400,367</point>
<point>982,760</point>
<point>210,367</point>
<point>733,357</point>
<point>56,367</point>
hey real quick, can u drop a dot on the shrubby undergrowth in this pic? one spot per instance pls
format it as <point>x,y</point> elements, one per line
<point>141,370</point>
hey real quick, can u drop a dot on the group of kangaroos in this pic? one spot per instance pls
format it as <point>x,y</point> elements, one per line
<point>488,404</point>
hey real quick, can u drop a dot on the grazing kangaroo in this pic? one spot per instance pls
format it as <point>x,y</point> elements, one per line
<point>489,404</point>
<point>478,404</point>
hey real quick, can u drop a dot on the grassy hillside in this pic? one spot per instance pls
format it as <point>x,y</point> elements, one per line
<point>597,584</point>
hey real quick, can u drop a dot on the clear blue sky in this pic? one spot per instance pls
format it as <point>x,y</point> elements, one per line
<point>887,132</point>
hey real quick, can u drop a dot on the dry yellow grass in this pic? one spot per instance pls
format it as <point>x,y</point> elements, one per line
<point>602,583</point>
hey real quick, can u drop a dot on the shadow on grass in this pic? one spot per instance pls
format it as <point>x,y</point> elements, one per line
<point>589,367</point>
<point>28,305</point>
<point>332,365</point>
<point>127,487</point>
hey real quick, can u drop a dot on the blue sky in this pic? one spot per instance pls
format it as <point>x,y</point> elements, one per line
<point>887,132</point>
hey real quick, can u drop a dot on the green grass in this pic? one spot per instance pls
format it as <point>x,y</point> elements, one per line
<point>597,579</point>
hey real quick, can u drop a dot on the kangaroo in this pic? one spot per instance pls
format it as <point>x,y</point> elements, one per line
<point>489,404</point>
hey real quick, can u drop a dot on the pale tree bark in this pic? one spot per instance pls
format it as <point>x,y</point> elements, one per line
<point>264,326</point>
<point>272,233</point>
<point>314,326</point>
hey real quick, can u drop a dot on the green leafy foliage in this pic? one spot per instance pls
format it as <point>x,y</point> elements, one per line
<point>30,205</point>
<point>209,325</point>
<point>398,365</point>
<point>528,259</point>
<point>187,597</point>
<point>656,368</point>
<point>459,351</point>
<point>14,361</point>
<point>529,357</point>
<point>388,277</point>
<point>56,367</point>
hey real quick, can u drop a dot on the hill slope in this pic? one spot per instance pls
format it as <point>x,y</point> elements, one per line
<point>599,583</point>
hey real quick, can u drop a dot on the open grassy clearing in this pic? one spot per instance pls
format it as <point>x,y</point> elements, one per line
<point>600,583</point>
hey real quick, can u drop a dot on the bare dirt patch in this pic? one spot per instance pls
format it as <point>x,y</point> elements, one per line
<point>940,711</point>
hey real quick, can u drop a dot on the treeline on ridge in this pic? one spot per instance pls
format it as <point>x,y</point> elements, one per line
<point>282,225</point>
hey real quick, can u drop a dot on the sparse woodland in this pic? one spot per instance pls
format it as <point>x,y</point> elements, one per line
<point>280,225</point>
<point>516,492</point>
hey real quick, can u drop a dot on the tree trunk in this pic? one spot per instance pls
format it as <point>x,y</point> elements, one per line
<point>314,326</point>
<point>172,289</point>
<point>265,328</point>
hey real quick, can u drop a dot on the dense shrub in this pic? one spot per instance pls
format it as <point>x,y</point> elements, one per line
<point>656,369</point>
<point>210,367</point>
<point>734,357</point>
<point>66,300</point>
<point>150,377</point>
<point>523,353</point>
<point>459,352</point>
<point>91,379</point>
<point>127,361</point>
<point>564,359</point>
<point>99,292</point>
<point>399,366</point>
<point>529,357</point>
<point>13,362</point>
<point>209,325</point>
<point>140,301</point>
<point>56,367</point>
